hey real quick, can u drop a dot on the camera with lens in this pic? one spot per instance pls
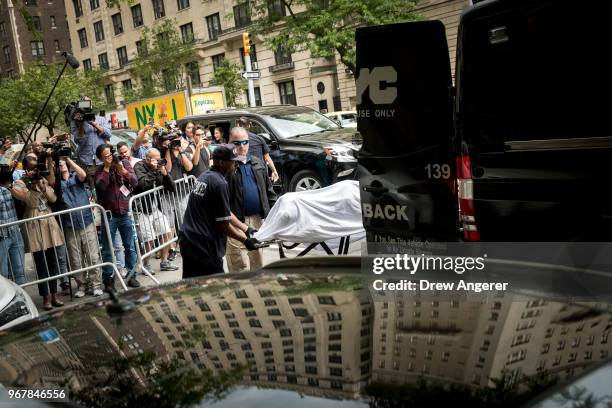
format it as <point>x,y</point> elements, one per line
<point>81,111</point>
<point>162,162</point>
<point>40,171</point>
<point>58,149</point>
<point>168,133</point>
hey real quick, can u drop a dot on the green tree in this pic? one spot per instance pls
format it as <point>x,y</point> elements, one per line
<point>228,74</point>
<point>160,63</point>
<point>21,99</point>
<point>324,27</point>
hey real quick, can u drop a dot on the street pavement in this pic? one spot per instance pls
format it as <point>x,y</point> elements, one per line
<point>270,254</point>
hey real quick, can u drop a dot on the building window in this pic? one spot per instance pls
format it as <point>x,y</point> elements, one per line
<point>242,17</point>
<point>35,21</point>
<point>87,65</point>
<point>281,56</point>
<point>99,31</point>
<point>38,49</point>
<point>117,23</point>
<point>137,15</point>
<point>57,45</point>
<point>217,60</point>
<point>214,26</point>
<point>140,49</point>
<point>103,60</point>
<point>193,70</point>
<point>182,4</point>
<point>287,92</point>
<point>78,8</point>
<point>109,93</point>
<point>326,300</point>
<point>158,9</point>
<point>331,316</point>
<point>53,24</point>
<point>7,54</point>
<point>257,96</point>
<point>127,86</point>
<point>83,37</point>
<point>276,9</point>
<point>94,4</point>
<point>336,372</point>
<point>122,56</point>
<point>187,33</point>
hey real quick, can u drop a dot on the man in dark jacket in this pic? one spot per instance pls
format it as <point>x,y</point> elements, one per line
<point>151,221</point>
<point>251,195</point>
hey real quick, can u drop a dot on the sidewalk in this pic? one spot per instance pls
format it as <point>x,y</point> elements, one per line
<point>270,255</point>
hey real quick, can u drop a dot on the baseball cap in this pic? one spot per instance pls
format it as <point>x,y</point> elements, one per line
<point>226,152</point>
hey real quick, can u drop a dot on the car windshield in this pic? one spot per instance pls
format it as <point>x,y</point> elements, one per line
<point>300,123</point>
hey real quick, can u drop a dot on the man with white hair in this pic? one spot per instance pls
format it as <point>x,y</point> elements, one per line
<point>251,197</point>
<point>152,223</point>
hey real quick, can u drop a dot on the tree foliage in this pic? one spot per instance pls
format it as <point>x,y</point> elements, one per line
<point>228,74</point>
<point>21,99</point>
<point>159,66</point>
<point>324,27</point>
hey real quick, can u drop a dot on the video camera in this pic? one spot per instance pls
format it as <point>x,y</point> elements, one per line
<point>170,132</point>
<point>58,149</point>
<point>81,111</point>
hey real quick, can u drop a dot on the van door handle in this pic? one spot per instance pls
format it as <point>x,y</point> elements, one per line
<point>375,190</point>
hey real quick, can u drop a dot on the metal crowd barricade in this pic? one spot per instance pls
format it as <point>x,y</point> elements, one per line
<point>158,217</point>
<point>39,228</point>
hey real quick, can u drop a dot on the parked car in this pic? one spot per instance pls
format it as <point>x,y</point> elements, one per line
<point>518,150</point>
<point>309,150</point>
<point>123,135</point>
<point>16,306</point>
<point>346,119</point>
<point>326,339</point>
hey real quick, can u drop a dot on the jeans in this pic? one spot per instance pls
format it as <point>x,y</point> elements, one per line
<point>12,258</point>
<point>125,226</point>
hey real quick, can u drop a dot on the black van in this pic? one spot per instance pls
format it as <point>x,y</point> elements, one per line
<point>518,149</point>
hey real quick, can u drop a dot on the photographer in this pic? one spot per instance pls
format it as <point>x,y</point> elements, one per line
<point>12,251</point>
<point>88,136</point>
<point>44,236</point>
<point>79,228</point>
<point>126,154</point>
<point>153,224</point>
<point>177,162</point>
<point>115,180</point>
<point>197,151</point>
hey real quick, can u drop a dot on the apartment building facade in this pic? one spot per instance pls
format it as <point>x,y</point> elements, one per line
<point>43,38</point>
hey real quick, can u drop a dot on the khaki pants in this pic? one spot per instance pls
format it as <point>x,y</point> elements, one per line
<point>236,254</point>
<point>84,251</point>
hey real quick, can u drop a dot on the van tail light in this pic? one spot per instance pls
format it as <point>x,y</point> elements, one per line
<point>465,194</point>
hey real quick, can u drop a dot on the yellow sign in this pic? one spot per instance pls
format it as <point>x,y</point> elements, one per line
<point>161,109</point>
<point>203,102</point>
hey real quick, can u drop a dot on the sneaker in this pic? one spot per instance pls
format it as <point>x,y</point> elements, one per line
<point>79,293</point>
<point>149,268</point>
<point>98,292</point>
<point>172,255</point>
<point>167,266</point>
<point>133,283</point>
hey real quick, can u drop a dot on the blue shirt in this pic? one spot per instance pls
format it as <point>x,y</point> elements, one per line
<point>208,205</point>
<point>7,213</point>
<point>89,142</point>
<point>250,192</point>
<point>75,194</point>
<point>141,152</point>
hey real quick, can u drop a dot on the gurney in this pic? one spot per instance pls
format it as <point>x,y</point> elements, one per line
<point>316,218</point>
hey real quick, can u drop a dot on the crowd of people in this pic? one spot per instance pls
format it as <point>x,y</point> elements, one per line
<point>231,197</point>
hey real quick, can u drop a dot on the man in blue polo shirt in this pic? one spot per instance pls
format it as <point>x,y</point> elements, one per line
<point>208,219</point>
<point>251,197</point>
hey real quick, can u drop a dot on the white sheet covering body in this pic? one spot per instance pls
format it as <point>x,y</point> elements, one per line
<point>315,215</point>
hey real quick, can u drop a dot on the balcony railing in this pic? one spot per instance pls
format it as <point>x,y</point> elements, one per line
<point>282,67</point>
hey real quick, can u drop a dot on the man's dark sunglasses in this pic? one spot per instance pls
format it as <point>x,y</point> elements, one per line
<point>240,142</point>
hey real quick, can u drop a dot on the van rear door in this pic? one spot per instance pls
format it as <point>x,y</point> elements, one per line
<point>404,107</point>
<point>535,94</point>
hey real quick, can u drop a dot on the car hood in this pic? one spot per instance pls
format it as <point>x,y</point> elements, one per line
<point>7,292</point>
<point>307,331</point>
<point>346,137</point>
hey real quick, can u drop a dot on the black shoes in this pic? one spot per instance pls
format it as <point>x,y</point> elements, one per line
<point>133,283</point>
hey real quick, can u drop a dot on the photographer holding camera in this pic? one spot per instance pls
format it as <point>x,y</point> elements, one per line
<point>197,151</point>
<point>44,236</point>
<point>115,180</point>
<point>177,162</point>
<point>88,136</point>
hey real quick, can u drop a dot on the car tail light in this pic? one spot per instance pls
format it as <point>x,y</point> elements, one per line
<point>465,194</point>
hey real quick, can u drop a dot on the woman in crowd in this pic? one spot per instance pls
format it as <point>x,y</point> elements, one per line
<point>43,236</point>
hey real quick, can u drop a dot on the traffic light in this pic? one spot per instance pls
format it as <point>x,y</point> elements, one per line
<point>246,43</point>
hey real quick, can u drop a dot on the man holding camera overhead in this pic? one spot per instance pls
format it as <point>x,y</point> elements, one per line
<point>87,135</point>
<point>115,180</point>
